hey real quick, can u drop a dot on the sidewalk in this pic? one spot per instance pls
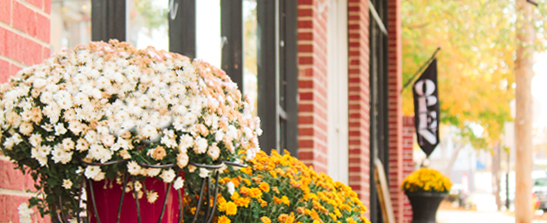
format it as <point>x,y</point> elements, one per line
<point>458,216</point>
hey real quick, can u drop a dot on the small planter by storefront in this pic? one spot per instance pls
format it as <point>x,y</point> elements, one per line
<point>425,205</point>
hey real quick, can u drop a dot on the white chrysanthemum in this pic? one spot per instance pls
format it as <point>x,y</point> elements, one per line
<point>168,175</point>
<point>179,183</point>
<point>200,145</point>
<point>67,184</point>
<point>59,155</point>
<point>152,172</point>
<point>25,213</point>
<point>92,171</point>
<point>68,144</point>
<point>35,140</point>
<point>219,136</point>
<point>203,172</point>
<point>231,187</point>
<point>214,151</point>
<point>100,176</point>
<point>182,160</point>
<point>133,168</point>
<point>151,196</point>
<point>232,132</point>
<point>186,141</point>
<point>60,129</point>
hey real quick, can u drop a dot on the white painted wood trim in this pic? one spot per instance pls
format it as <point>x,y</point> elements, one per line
<point>337,85</point>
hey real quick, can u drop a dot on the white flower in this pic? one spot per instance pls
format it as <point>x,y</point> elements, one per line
<point>60,129</point>
<point>219,136</point>
<point>67,184</point>
<point>250,154</point>
<point>203,172</point>
<point>39,83</point>
<point>92,171</point>
<point>100,176</point>
<point>82,145</point>
<point>151,196</point>
<point>200,145</point>
<point>108,140</point>
<point>232,132</point>
<point>91,137</point>
<point>182,159</point>
<point>185,142</point>
<point>168,175</point>
<point>133,168</point>
<point>75,127</point>
<point>214,151</point>
<point>149,131</point>
<point>35,140</point>
<point>26,128</point>
<point>137,185</point>
<point>179,182</point>
<point>25,213</point>
<point>68,144</point>
<point>248,133</point>
<point>152,172</point>
<point>231,187</point>
<point>12,141</point>
<point>169,142</point>
<point>60,155</point>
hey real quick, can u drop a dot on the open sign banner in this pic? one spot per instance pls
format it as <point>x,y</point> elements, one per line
<point>426,109</point>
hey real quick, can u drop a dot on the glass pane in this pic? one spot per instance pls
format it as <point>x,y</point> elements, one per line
<point>250,79</point>
<point>208,38</point>
<point>70,24</point>
<point>147,23</point>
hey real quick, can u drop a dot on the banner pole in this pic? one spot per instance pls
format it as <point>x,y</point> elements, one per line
<point>421,68</point>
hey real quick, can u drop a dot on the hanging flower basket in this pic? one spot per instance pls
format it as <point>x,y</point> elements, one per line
<point>109,113</point>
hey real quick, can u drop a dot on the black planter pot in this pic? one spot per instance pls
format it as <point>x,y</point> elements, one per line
<point>424,206</point>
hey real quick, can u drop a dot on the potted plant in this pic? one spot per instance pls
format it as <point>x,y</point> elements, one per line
<point>425,189</point>
<point>280,188</point>
<point>108,117</point>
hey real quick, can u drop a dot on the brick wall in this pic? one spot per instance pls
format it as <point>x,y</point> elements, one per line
<point>408,163</point>
<point>312,85</point>
<point>395,118</point>
<point>24,40</point>
<point>359,99</point>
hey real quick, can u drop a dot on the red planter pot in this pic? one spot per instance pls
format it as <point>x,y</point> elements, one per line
<point>107,202</point>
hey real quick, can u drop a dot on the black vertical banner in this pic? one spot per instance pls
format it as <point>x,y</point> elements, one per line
<point>426,109</point>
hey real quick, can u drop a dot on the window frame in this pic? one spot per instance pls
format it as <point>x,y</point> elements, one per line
<point>379,132</point>
<point>277,24</point>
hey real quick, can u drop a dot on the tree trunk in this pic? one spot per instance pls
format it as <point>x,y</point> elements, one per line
<point>448,169</point>
<point>523,121</point>
<point>496,160</point>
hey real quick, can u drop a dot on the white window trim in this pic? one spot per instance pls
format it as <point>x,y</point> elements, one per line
<point>337,85</point>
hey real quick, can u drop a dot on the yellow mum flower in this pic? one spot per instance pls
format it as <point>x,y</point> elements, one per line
<point>265,219</point>
<point>264,187</point>
<point>231,208</point>
<point>224,219</point>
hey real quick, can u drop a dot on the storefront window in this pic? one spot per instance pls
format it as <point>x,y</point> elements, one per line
<point>147,23</point>
<point>70,23</point>
<point>208,40</point>
<point>249,55</point>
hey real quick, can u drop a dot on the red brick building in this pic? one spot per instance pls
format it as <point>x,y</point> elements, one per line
<point>328,72</point>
